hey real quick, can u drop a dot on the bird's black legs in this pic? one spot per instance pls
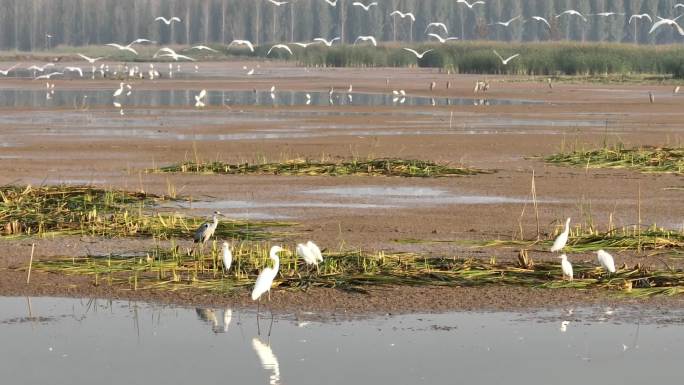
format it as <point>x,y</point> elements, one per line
<point>258,309</point>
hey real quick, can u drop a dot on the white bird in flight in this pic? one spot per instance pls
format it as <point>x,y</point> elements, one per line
<point>246,43</point>
<point>327,43</point>
<point>48,76</point>
<point>279,46</point>
<point>562,239</point>
<point>172,54</point>
<point>277,3</point>
<point>366,38</point>
<point>203,48</point>
<point>168,21</point>
<point>679,5</point>
<point>471,5</point>
<point>507,23</point>
<point>331,3</point>
<point>641,16</point>
<point>403,15</point>
<point>75,69</point>
<point>6,72</point>
<point>571,12</point>
<point>670,22</point>
<point>505,61</point>
<point>442,39</point>
<point>303,45</point>
<point>566,266</point>
<point>418,54</point>
<point>543,20</point>
<point>436,24</point>
<point>227,257</point>
<point>606,261</point>
<point>119,91</point>
<point>123,47</point>
<point>364,6</point>
<point>90,59</point>
<point>267,275</point>
<point>606,14</point>
<point>39,68</point>
<point>199,98</point>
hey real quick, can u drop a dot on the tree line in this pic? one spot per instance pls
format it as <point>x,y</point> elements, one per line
<point>30,25</point>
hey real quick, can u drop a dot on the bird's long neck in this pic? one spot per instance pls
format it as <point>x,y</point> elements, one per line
<point>276,261</point>
<point>215,220</point>
<point>567,227</point>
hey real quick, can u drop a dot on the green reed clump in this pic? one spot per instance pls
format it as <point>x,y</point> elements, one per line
<point>79,210</point>
<point>375,167</point>
<point>174,269</point>
<point>644,159</point>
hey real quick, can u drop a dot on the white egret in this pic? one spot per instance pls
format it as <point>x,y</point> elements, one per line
<point>471,5</point>
<point>419,55</point>
<point>507,23</point>
<point>670,22</point>
<point>277,3</point>
<point>6,72</point>
<point>676,90</point>
<point>332,3</point>
<point>227,257</point>
<point>364,6</point>
<point>328,43</point>
<point>606,14</point>
<point>90,60</point>
<point>280,46</point>
<point>541,19</point>
<point>562,239</point>
<point>246,43</point>
<point>303,45</point>
<point>40,68</point>
<point>564,326</point>
<point>172,54</point>
<point>641,16</point>
<point>367,38</point>
<point>436,24</point>
<point>404,15</point>
<point>123,47</point>
<point>203,48</point>
<point>678,5</point>
<point>119,91</point>
<point>305,253</point>
<point>566,266</point>
<point>48,76</point>
<point>75,69</point>
<point>442,39</point>
<point>199,98</point>
<point>508,59</point>
<point>206,230</point>
<point>315,250</point>
<point>571,12</point>
<point>168,21</point>
<point>606,261</point>
<point>267,275</point>
<point>250,72</point>
<point>268,360</point>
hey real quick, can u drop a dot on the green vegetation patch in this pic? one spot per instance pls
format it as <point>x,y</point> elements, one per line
<point>376,167</point>
<point>644,159</point>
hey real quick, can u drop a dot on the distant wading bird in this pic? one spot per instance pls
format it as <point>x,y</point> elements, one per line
<point>207,229</point>
<point>566,266</point>
<point>562,239</point>
<point>606,261</point>
<point>265,278</point>
<point>227,257</point>
<point>199,98</point>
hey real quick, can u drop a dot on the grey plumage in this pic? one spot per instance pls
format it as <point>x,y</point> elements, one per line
<point>206,230</point>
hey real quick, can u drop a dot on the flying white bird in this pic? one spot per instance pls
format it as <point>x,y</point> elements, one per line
<point>48,76</point>
<point>440,25</point>
<point>246,43</point>
<point>172,54</point>
<point>566,266</point>
<point>441,39</point>
<point>331,3</point>
<point>75,69</point>
<point>671,22</point>
<point>605,14</point>
<point>267,275</point>
<point>366,38</point>
<point>505,61</point>
<point>539,18</point>
<point>606,261</point>
<point>507,23</point>
<point>403,15</point>
<point>418,55</point>
<point>168,21</point>
<point>203,48</point>
<point>199,98</point>
<point>250,72</point>
<point>364,6</point>
<point>471,5</point>
<point>571,12</point>
<point>277,3</point>
<point>562,239</point>
<point>6,72</point>
<point>123,47</point>
<point>279,46</point>
<point>119,91</point>
<point>227,257</point>
<point>328,43</point>
<point>304,45</point>
<point>90,59</point>
<point>643,15</point>
<point>679,5</point>
<point>40,69</point>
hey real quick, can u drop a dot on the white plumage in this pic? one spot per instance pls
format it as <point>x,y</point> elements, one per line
<point>562,239</point>
<point>606,261</point>
<point>267,275</point>
<point>304,252</point>
<point>227,257</point>
<point>315,250</point>
<point>566,266</point>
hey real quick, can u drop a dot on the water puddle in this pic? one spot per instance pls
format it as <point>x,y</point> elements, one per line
<point>133,343</point>
<point>21,98</point>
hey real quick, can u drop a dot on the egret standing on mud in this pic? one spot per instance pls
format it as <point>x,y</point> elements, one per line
<point>265,280</point>
<point>566,266</point>
<point>227,257</point>
<point>606,261</point>
<point>206,230</point>
<point>562,239</point>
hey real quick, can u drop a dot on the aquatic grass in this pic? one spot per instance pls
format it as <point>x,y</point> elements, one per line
<point>374,167</point>
<point>82,210</point>
<point>644,159</point>
<point>173,269</point>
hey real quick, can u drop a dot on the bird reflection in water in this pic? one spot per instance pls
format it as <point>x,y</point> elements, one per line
<point>268,360</point>
<point>209,316</point>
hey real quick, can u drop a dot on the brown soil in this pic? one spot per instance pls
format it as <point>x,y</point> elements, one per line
<point>489,137</point>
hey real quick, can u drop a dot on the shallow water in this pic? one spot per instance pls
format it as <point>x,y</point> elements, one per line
<point>22,98</point>
<point>74,341</point>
